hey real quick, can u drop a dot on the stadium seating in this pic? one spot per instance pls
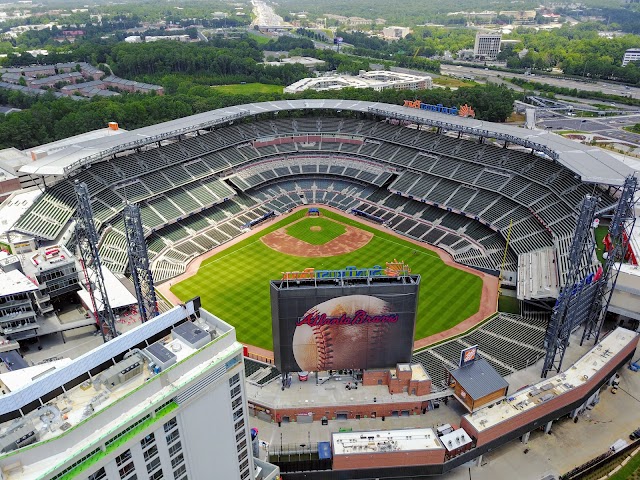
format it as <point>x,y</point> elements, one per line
<point>424,180</point>
<point>508,342</point>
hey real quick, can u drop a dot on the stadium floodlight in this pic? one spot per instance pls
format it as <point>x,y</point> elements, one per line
<point>87,241</point>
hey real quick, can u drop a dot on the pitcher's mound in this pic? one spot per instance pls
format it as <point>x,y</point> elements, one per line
<point>315,228</point>
<point>351,240</point>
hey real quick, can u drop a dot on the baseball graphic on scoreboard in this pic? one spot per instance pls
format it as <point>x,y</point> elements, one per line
<point>343,333</point>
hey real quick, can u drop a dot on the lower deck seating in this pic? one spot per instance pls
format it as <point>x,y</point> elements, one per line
<point>508,342</point>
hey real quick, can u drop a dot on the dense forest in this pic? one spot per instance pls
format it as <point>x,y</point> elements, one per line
<point>414,12</point>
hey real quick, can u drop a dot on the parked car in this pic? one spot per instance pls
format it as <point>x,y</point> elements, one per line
<point>635,435</point>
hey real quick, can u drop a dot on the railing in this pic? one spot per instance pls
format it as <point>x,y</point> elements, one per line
<point>151,139</point>
<point>468,130</point>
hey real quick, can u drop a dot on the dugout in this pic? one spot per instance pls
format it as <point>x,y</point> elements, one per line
<point>477,384</point>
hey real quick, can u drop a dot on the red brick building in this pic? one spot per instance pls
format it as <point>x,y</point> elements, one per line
<point>405,378</point>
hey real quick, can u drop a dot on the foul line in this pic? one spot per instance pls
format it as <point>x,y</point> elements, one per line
<point>425,251</point>
<point>203,265</point>
<point>417,249</point>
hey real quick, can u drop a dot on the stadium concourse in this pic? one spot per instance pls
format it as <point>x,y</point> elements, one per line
<point>459,184</point>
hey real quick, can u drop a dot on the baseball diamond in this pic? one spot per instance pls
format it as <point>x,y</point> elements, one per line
<point>326,230</point>
<point>236,279</point>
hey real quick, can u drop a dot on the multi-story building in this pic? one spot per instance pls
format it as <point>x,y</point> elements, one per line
<point>52,80</point>
<point>487,46</point>
<point>631,55</point>
<point>378,80</point>
<point>132,86</point>
<point>395,33</point>
<point>54,270</point>
<point>164,400</point>
<point>18,319</point>
<point>520,17</point>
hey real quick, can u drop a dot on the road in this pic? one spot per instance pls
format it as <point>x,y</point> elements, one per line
<point>265,15</point>
<point>608,127</point>
<point>492,75</point>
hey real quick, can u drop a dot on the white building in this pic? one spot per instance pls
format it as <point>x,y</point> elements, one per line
<point>163,400</point>
<point>487,46</point>
<point>378,80</point>
<point>175,38</point>
<point>395,33</point>
<point>631,55</point>
<point>309,62</point>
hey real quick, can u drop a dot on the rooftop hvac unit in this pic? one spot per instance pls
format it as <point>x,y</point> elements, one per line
<point>122,371</point>
<point>130,371</point>
<point>27,439</point>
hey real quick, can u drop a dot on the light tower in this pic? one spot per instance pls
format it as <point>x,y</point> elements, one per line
<point>139,263</point>
<point>87,241</point>
<point>620,230</point>
<point>572,306</point>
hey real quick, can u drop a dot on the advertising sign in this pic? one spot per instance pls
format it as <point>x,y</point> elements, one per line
<point>468,355</point>
<point>462,111</point>
<point>357,323</point>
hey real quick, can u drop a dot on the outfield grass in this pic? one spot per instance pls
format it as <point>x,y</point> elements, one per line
<point>508,304</point>
<point>234,284</point>
<point>328,230</point>
<point>248,88</point>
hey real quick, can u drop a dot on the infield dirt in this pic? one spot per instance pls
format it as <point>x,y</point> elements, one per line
<point>352,239</point>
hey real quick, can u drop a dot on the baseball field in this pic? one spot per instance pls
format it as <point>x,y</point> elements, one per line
<point>234,283</point>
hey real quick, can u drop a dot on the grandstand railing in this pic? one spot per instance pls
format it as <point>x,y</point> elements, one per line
<point>151,139</point>
<point>468,130</point>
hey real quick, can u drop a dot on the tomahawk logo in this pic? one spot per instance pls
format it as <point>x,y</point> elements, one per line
<point>466,111</point>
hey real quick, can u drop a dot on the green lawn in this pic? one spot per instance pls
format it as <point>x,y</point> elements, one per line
<point>329,230</point>
<point>631,471</point>
<point>258,37</point>
<point>234,284</point>
<point>248,88</point>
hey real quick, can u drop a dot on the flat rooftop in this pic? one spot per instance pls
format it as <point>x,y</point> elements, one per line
<point>58,145</point>
<point>119,295</point>
<point>16,379</point>
<point>15,206</point>
<point>13,282</point>
<point>456,439</point>
<point>385,441</point>
<point>12,158</point>
<point>630,269</point>
<point>46,258</point>
<point>545,390</point>
<point>418,372</point>
<point>330,391</point>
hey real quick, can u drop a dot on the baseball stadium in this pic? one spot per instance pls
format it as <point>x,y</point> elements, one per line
<point>482,216</point>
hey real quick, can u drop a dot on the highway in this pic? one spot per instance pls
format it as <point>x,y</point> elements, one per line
<point>496,76</point>
<point>265,15</point>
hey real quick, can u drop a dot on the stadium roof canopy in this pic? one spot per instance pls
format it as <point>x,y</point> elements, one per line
<point>590,163</point>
